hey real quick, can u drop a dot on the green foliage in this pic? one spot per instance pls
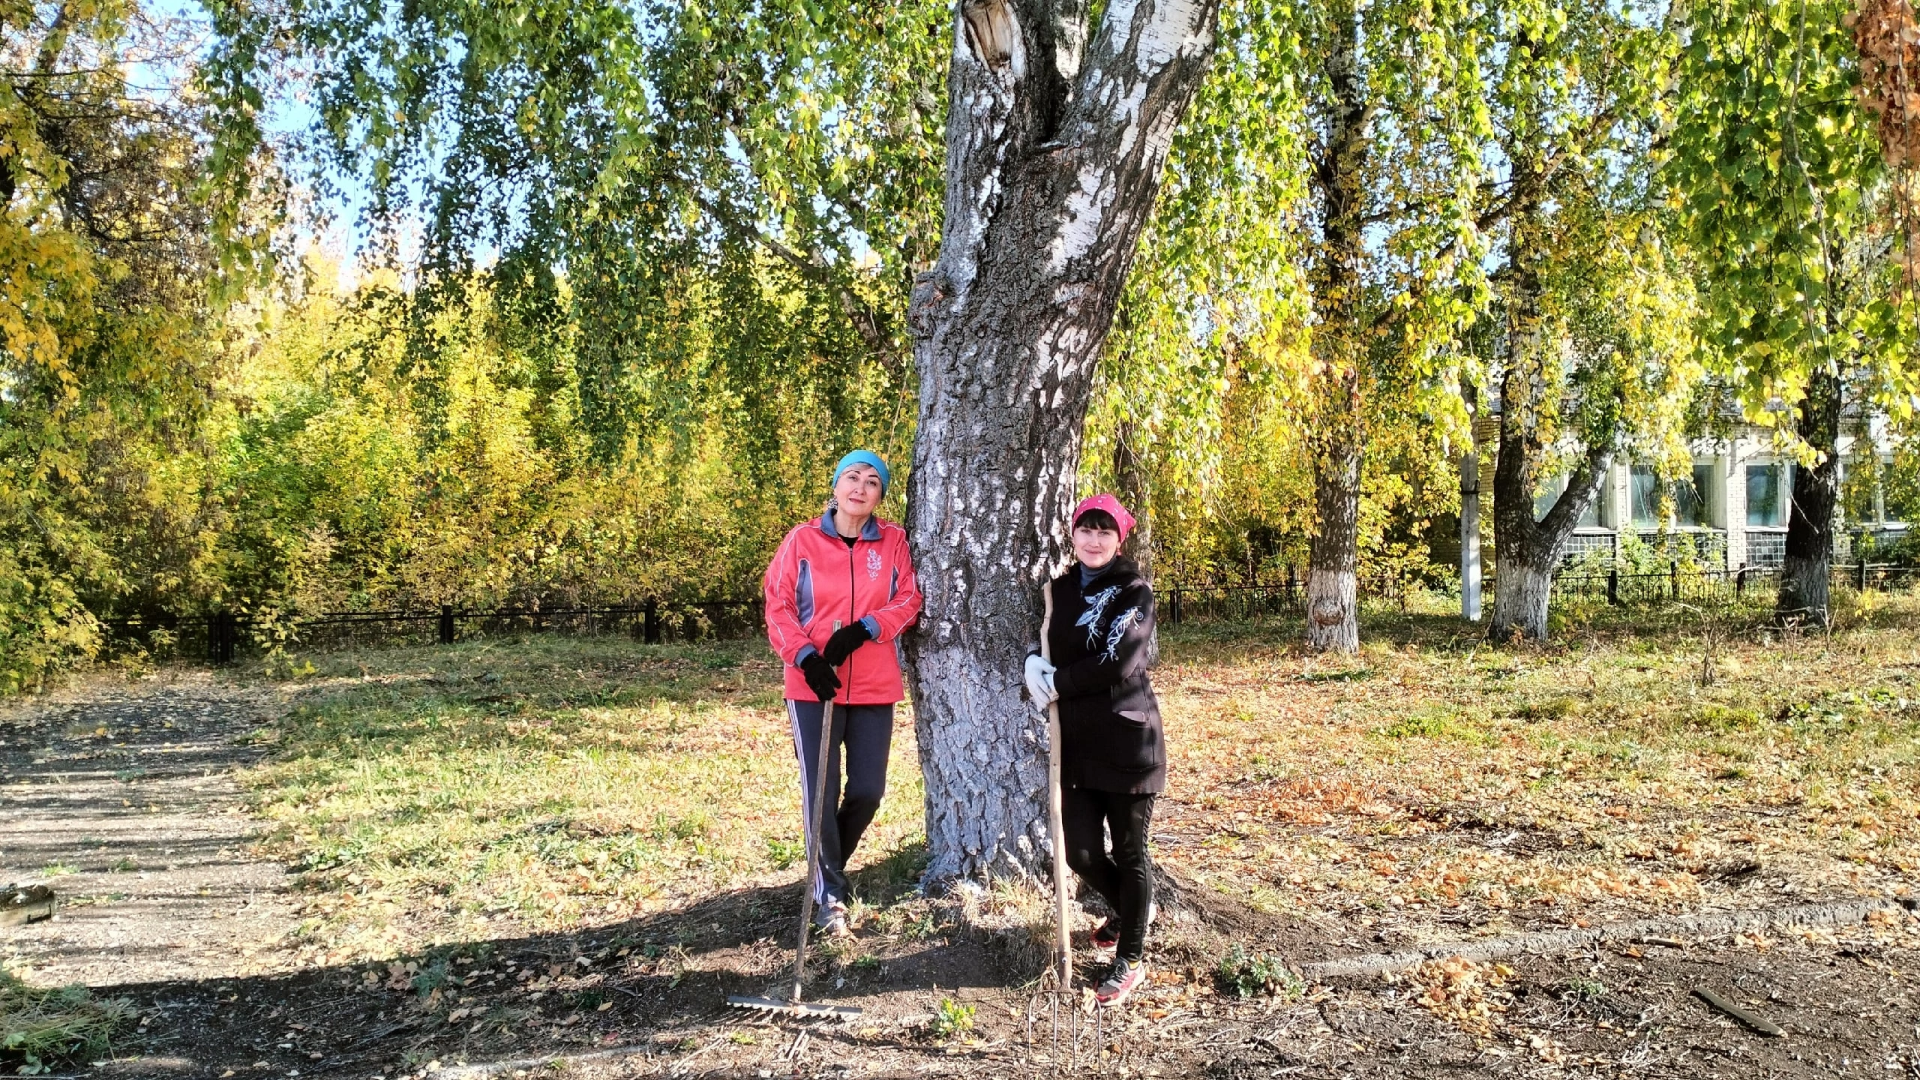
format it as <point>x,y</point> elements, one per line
<point>1211,372</point>
<point>1779,178</point>
<point>1245,975</point>
<point>109,354</point>
<point>346,483</point>
<point>950,1019</point>
<point>664,259</point>
<point>737,192</point>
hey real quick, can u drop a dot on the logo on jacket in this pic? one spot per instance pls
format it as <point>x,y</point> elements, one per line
<point>1096,607</point>
<point>873,565</point>
<point>1119,631</point>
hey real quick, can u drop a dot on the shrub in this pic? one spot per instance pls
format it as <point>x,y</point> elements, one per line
<point>952,1018</point>
<point>1247,975</point>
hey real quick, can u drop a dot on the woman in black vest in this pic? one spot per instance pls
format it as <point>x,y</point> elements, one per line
<point>1113,755</point>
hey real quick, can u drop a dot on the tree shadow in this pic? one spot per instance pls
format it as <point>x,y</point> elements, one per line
<point>656,980</point>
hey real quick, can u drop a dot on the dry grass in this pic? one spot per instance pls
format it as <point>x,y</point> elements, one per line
<point>42,1029</point>
<point>1431,786</point>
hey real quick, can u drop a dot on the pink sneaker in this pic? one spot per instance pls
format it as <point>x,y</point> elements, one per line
<point>1121,982</point>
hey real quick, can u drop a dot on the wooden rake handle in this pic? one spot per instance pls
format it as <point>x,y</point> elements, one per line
<point>1063,942</point>
<point>810,834</point>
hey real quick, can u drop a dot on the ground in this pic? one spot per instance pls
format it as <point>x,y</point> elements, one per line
<point>406,861</point>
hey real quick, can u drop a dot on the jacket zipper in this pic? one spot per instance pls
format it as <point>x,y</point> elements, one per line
<point>850,609</point>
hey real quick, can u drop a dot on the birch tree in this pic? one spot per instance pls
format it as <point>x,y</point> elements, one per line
<point>611,143</point>
<point>1778,164</point>
<point>1395,115</point>
<point>1594,306</point>
<point>1058,127</point>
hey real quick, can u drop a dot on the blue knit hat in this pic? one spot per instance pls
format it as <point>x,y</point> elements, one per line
<point>864,457</point>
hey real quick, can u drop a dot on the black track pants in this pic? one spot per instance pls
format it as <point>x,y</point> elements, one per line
<point>1124,877</point>
<point>865,734</point>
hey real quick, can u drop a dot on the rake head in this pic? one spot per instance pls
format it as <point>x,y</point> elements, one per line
<point>797,1010</point>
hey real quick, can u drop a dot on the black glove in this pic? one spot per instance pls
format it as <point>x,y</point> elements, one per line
<point>820,677</point>
<point>844,641</point>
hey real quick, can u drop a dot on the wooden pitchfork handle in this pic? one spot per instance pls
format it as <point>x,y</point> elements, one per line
<point>1063,943</point>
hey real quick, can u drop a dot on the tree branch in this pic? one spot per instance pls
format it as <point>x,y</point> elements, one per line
<point>865,321</point>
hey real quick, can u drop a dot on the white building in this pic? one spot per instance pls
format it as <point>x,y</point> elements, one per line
<point>1733,511</point>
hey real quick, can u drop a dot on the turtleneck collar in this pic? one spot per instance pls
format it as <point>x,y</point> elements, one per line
<point>1088,575</point>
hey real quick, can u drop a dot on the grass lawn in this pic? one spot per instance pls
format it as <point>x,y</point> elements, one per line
<point>433,794</point>
<point>1431,786</point>
<point>1439,788</point>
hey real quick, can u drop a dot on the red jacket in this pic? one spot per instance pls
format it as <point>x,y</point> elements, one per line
<point>816,579</point>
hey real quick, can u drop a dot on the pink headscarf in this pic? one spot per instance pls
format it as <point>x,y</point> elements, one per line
<point>1112,506</point>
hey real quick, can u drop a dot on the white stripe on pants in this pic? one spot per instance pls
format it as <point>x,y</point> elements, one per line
<point>809,830</point>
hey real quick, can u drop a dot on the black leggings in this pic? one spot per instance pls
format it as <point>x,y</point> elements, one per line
<point>865,733</point>
<point>1124,879</point>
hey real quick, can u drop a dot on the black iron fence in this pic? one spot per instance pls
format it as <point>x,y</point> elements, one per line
<point>1677,583</point>
<point>220,636</point>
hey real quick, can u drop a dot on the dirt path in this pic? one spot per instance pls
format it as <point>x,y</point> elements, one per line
<point>121,796</point>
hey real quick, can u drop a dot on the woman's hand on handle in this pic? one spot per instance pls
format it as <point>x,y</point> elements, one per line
<point>844,641</point>
<point>820,677</point>
<point>1040,680</point>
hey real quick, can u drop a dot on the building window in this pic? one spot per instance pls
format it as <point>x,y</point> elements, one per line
<point>1645,496</point>
<point>1550,493</point>
<point>1768,488</point>
<point>1690,498</point>
<point>1691,508</point>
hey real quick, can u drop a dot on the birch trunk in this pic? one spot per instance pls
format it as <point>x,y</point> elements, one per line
<point>1339,349</point>
<point>1809,557</point>
<point>1526,551</point>
<point>1055,146</point>
<point>1470,514</point>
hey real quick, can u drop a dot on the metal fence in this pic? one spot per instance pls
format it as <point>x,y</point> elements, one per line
<point>1676,584</point>
<point>221,636</point>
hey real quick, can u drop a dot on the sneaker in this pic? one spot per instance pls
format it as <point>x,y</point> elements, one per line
<point>1121,982</point>
<point>832,919</point>
<point>1108,935</point>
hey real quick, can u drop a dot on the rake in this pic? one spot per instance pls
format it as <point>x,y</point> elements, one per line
<point>794,1006</point>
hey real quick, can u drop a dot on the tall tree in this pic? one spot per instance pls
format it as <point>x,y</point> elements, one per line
<point>1058,128</point>
<point>1395,112</point>
<point>1777,162</point>
<point>1213,307</point>
<point>1594,313</point>
<point>107,347</point>
<point>629,143</point>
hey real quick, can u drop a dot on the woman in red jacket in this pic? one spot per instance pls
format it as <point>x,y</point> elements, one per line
<point>839,592</point>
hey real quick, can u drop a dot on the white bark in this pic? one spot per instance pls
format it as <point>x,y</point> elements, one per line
<point>1333,598</point>
<point>1051,170</point>
<point>1520,603</point>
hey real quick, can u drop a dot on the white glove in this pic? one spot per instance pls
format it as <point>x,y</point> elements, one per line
<point>1040,680</point>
